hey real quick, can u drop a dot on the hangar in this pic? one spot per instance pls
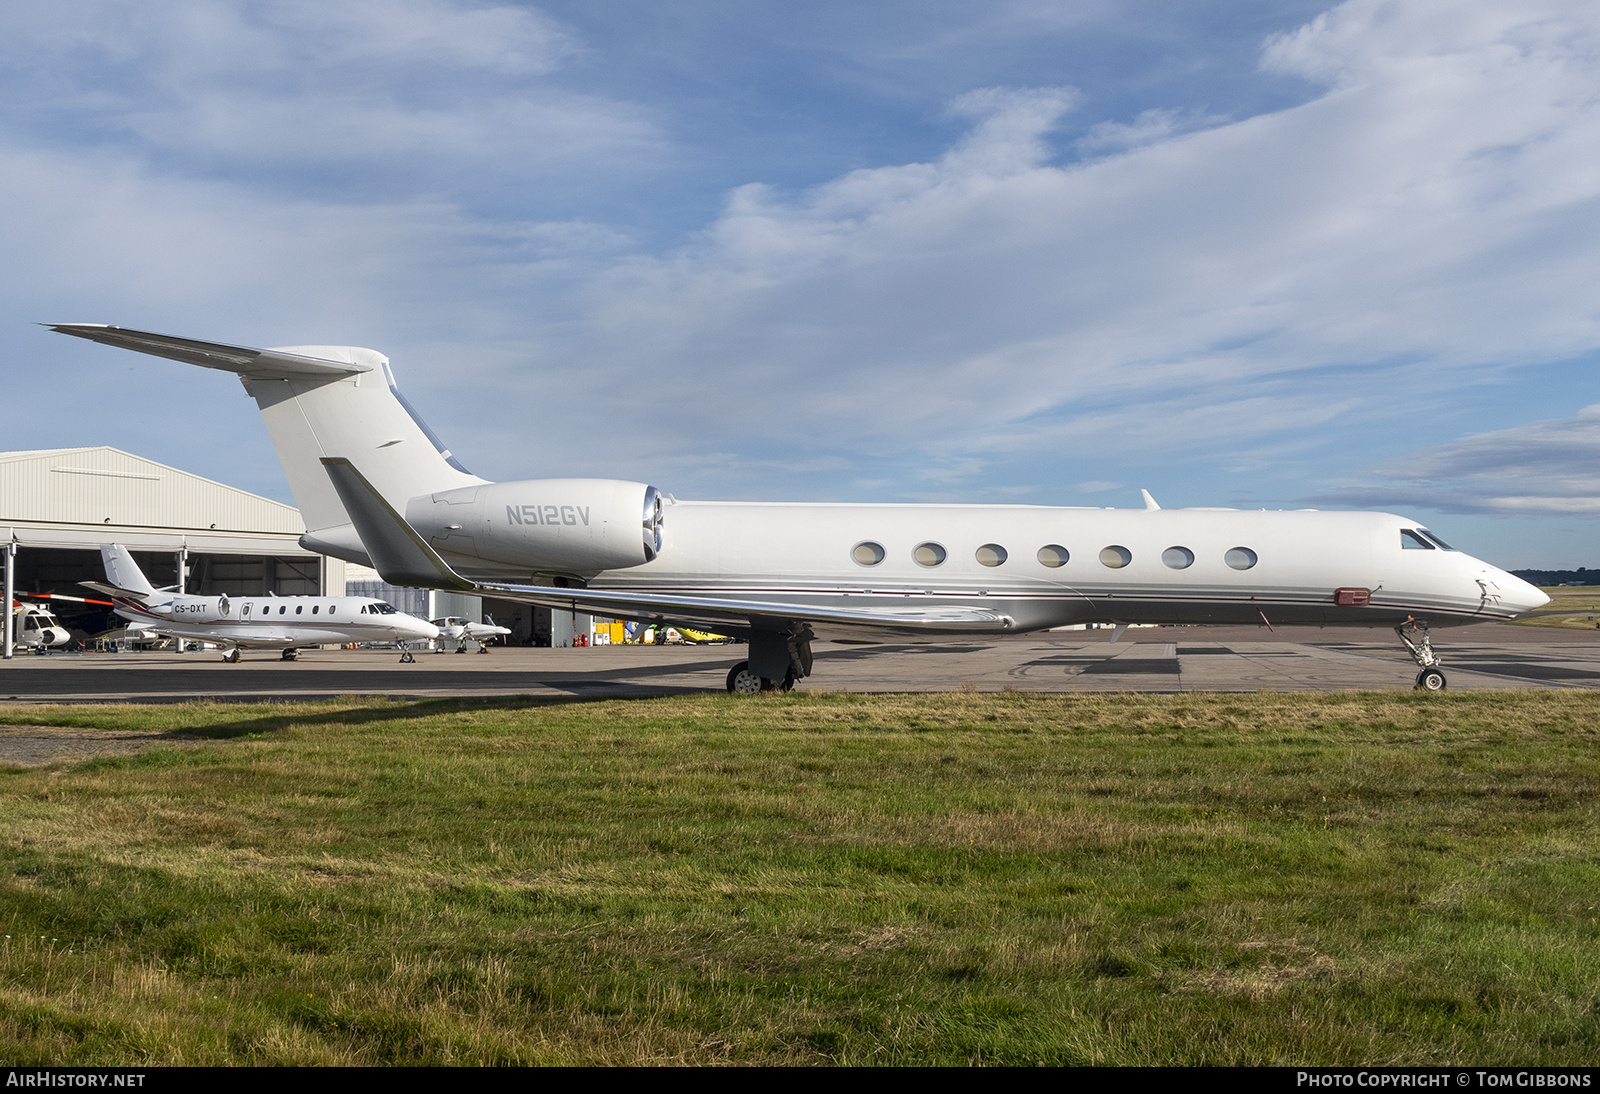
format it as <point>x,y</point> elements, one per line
<point>57,505</point>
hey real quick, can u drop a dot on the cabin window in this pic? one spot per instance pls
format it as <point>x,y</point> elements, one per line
<point>298,608</point>
<point>1179,558</point>
<point>1240,558</point>
<point>315,608</point>
<point>867,553</point>
<point>1053,555</point>
<point>928,554</point>
<point>282,608</point>
<point>1115,556</point>
<point>991,554</point>
<point>332,608</point>
<point>1410,541</point>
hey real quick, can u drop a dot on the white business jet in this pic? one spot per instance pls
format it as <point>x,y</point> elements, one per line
<point>377,487</point>
<point>463,630</point>
<point>287,623</point>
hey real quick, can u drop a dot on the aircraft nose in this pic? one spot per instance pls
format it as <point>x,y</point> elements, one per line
<point>1515,595</point>
<point>1526,597</point>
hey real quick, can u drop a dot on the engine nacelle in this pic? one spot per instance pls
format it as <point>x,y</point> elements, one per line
<point>555,526</point>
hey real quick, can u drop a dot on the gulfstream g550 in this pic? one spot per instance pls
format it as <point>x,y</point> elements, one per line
<point>377,487</point>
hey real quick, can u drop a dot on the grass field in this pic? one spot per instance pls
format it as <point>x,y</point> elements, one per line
<point>1008,879</point>
<point>1577,607</point>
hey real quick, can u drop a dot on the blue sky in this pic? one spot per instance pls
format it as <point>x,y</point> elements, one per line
<point>1258,254</point>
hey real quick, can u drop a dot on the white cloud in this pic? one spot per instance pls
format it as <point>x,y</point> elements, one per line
<point>1195,285</point>
<point>408,94</point>
<point>1434,209</point>
<point>1545,468</point>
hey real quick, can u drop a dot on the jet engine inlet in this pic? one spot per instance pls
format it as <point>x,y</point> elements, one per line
<point>652,523</point>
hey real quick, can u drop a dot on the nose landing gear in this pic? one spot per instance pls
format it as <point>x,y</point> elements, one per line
<point>1414,635</point>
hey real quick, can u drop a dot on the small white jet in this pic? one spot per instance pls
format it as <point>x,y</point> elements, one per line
<point>287,623</point>
<point>377,487</point>
<point>462,630</point>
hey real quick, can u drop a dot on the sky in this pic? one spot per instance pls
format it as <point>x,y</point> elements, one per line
<point>1266,255</point>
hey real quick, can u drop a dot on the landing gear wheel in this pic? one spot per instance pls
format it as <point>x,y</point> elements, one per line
<point>741,681</point>
<point>788,681</point>
<point>1430,680</point>
<point>231,657</point>
<point>291,655</point>
<point>406,658</point>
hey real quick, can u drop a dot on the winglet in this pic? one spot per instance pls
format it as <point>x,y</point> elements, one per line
<point>1149,502</point>
<point>400,556</point>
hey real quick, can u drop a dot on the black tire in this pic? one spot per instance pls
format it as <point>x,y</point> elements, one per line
<point>1430,680</point>
<point>741,681</point>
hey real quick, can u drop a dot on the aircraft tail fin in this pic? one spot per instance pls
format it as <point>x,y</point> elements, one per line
<point>319,402</point>
<point>122,573</point>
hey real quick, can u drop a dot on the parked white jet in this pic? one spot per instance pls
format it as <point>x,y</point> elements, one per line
<point>286,623</point>
<point>463,630</point>
<point>377,487</point>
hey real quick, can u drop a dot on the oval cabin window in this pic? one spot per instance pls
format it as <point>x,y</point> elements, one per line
<point>1240,558</point>
<point>1115,556</point>
<point>991,554</point>
<point>928,554</point>
<point>1053,555</point>
<point>1179,558</point>
<point>868,553</point>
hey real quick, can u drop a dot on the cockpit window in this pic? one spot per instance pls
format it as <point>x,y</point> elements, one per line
<point>1411,541</point>
<point>378,607</point>
<point>1435,540</point>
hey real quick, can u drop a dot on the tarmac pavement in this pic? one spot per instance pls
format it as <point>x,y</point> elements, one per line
<point>1165,659</point>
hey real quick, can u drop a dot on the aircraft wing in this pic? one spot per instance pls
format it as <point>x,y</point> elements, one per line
<point>718,612</point>
<point>258,364</point>
<point>402,557</point>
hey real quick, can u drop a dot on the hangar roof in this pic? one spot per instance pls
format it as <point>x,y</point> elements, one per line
<point>97,494</point>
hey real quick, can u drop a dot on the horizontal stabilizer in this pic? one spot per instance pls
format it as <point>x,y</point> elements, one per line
<point>330,362</point>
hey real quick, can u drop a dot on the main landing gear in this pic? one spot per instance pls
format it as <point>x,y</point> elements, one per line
<point>291,655</point>
<point>1414,634</point>
<point>232,656</point>
<point>777,660</point>
<point>742,681</point>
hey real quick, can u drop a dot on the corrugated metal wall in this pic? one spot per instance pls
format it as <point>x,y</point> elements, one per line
<point>108,486</point>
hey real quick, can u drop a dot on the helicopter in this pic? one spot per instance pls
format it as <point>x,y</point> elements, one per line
<point>35,626</point>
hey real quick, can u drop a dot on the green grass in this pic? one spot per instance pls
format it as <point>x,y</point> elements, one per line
<point>1008,879</point>
<point>1581,605</point>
